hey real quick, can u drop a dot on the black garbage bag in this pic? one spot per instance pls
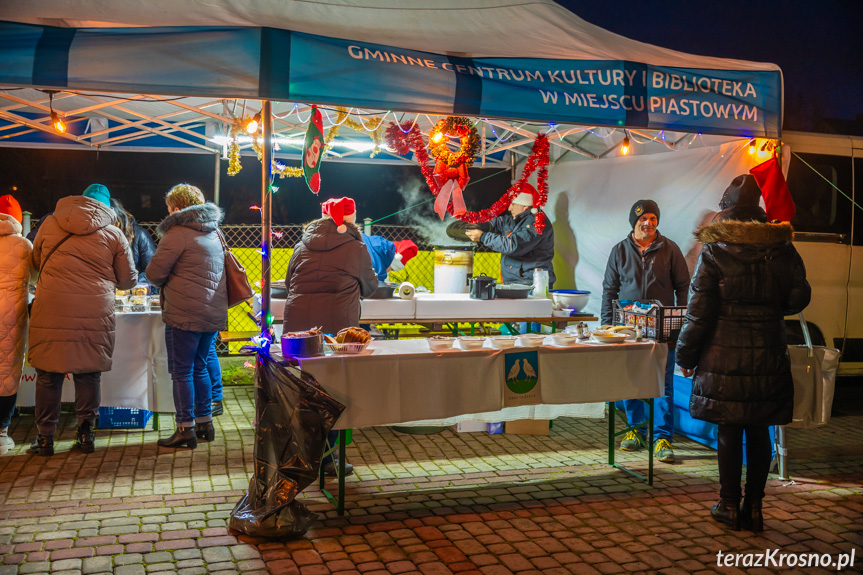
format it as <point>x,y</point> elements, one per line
<point>294,414</point>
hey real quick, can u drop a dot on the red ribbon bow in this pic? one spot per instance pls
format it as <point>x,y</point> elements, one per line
<point>451,182</point>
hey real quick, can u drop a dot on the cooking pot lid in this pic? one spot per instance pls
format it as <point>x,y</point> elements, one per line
<point>456,230</point>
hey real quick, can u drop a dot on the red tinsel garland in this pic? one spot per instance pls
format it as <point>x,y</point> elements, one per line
<point>403,139</point>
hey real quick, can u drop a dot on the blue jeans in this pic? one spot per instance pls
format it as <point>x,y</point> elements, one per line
<point>663,407</point>
<point>215,371</point>
<point>187,362</point>
<point>7,408</point>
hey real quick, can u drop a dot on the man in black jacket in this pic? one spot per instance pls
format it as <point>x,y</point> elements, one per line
<point>647,266</point>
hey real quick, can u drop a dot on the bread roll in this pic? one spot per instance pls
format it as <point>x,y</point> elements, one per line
<point>353,335</point>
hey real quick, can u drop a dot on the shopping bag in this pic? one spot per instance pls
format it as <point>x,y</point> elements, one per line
<point>813,368</point>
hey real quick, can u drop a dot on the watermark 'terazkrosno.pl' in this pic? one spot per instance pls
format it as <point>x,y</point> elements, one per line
<point>776,558</point>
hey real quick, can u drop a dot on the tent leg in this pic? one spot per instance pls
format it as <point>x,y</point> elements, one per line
<point>781,453</point>
<point>217,176</point>
<point>266,215</point>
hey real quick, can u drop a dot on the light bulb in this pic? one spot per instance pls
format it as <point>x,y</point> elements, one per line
<point>752,146</point>
<point>624,146</point>
<point>58,123</point>
<point>437,137</point>
<point>252,125</point>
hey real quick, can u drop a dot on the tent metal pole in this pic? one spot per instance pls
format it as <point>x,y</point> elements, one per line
<point>217,178</point>
<point>266,214</point>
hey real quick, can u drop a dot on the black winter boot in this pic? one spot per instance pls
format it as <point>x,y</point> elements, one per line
<point>217,408</point>
<point>42,445</point>
<point>205,431</point>
<point>85,438</point>
<point>183,437</point>
<point>727,511</point>
<point>751,517</point>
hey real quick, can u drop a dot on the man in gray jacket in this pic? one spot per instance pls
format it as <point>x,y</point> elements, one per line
<point>647,266</point>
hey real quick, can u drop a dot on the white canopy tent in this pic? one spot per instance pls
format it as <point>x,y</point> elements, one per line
<point>174,74</point>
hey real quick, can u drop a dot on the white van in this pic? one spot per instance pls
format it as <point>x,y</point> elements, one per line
<point>824,174</point>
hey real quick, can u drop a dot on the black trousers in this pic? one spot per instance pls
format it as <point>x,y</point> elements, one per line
<point>49,392</point>
<point>730,455</point>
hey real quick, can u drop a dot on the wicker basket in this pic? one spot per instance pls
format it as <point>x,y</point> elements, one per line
<point>353,347</point>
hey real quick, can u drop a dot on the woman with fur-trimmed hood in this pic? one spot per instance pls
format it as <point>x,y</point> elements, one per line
<point>189,266</point>
<point>748,278</point>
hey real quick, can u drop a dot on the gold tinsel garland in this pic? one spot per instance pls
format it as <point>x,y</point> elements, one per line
<point>283,171</point>
<point>234,165</point>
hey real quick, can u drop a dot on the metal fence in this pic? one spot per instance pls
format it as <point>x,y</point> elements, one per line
<point>245,243</point>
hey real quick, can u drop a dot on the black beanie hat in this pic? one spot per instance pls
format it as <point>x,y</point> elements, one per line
<point>640,208</point>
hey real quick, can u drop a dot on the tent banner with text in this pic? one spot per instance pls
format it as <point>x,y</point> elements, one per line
<point>283,65</point>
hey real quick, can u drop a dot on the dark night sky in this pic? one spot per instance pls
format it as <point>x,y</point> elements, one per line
<point>816,43</point>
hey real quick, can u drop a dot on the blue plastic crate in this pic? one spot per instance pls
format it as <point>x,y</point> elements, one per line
<point>123,417</point>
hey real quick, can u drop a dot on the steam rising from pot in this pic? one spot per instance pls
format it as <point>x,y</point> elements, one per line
<point>423,219</point>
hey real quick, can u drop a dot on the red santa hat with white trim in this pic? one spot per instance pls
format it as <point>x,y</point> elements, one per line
<point>340,210</point>
<point>528,197</point>
<point>405,251</point>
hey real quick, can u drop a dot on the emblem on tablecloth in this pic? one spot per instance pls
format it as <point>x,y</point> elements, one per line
<point>521,378</point>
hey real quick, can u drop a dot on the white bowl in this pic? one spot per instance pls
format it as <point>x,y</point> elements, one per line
<point>530,340</point>
<point>606,337</point>
<point>440,344</point>
<point>563,338</point>
<point>471,342</point>
<point>502,341</point>
<point>575,301</point>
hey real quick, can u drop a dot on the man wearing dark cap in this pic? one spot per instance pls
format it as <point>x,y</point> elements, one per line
<point>647,266</point>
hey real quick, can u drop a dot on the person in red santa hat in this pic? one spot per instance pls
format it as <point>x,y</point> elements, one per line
<point>514,236</point>
<point>330,270</point>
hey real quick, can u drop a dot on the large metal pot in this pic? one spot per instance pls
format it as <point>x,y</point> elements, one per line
<point>452,266</point>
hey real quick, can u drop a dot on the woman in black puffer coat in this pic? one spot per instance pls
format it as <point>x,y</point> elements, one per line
<point>748,278</point>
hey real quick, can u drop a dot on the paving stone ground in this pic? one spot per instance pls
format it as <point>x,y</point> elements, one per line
<point>419,504</point>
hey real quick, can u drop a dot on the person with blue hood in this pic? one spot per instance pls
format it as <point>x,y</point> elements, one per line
<point>387,255</point>
<point>81,259</point>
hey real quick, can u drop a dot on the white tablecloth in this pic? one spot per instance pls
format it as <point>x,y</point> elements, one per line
<point>139,377</point>
<point>402,381</point>
<point>440,307</point>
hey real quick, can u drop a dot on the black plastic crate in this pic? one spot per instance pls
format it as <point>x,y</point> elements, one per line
<point>661,323</point>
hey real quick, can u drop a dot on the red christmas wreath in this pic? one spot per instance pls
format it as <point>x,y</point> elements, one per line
<point>406,137</point>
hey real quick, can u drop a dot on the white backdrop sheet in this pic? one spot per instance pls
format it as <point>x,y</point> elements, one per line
<point>589,203</point>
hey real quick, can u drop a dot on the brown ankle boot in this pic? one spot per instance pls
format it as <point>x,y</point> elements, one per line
<point>727,511</point>
<point>751,517</point>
